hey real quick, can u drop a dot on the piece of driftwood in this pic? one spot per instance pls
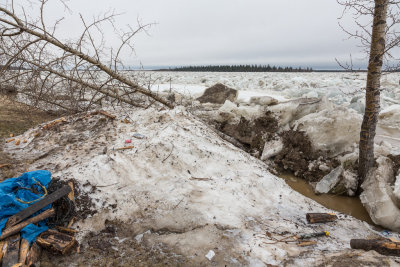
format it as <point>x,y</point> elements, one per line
<point>382,246</point>
<point>56,241</point>
<point>16,228</point>
<point>22,215</point>
<point>11,254</point>
<point>5,165</point>
<point>23,251</point>
<point>33,255</point>
<point>104,113</point>
<point>320,217</point>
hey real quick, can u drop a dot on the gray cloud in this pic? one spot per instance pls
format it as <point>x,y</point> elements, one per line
<point>284,32</point>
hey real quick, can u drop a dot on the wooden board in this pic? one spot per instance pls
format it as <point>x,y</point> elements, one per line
<point>22,215</point>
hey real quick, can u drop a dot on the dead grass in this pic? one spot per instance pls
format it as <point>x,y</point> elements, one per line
<point>16,118</point>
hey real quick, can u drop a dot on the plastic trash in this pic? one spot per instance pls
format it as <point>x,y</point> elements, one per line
<point>139,136</point>
<point>210,255</point>
<point>17,194</point>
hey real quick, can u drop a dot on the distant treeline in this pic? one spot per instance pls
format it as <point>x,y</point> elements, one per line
<point>239,68</point>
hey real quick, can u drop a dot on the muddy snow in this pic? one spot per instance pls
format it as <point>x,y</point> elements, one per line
<point>183,190</point>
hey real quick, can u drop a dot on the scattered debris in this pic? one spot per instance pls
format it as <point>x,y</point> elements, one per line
<point>128,141</point>
<point>320,217</point>
<point>54,123</point>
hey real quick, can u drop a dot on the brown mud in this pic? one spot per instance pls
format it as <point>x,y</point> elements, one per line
<point>297,154</point>
<point>253,134</point>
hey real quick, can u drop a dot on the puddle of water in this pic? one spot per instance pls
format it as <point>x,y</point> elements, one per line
<point>344,204</point>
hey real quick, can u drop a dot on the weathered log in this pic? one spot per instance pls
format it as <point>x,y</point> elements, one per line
<point>34,255</point>
<point>56,241</point>
<point>320,217</point>
<point>11,254</point>
<point>20,216</point>
<point>23,251</point>
<point>382,246</point>
<point>16,228</point>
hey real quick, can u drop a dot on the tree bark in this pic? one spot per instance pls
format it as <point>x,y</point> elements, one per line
<point>372,98</point>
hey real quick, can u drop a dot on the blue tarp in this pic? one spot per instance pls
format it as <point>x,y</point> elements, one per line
<point>19,193</point>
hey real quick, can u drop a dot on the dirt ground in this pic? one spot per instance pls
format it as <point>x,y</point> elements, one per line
<point>15,118</point>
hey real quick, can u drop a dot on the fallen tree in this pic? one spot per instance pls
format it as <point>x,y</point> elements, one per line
<point>73,76</point>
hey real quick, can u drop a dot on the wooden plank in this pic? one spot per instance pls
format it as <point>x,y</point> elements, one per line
<point>34,255</point>
<point>22,215</point>
<point>2,245</point>
<point>12,253</point>
<point>23,251</point>
<point>16,228</point>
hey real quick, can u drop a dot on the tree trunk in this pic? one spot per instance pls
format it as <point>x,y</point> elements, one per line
<point>372,98</point>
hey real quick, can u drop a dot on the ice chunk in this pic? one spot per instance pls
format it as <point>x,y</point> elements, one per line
<point>332,130</point>
<point>328,183</point>
<point>378,197</point>
<point>271,149</point>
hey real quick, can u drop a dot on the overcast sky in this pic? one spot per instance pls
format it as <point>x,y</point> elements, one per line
<point>193,32</point>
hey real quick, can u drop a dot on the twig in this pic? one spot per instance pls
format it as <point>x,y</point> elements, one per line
<point>169,153</point>
<point>200,179</point>
<point>125,147</point>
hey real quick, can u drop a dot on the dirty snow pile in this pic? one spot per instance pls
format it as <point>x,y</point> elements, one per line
<point>183,187</point>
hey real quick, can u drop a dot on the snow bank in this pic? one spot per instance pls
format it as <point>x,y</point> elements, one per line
<point>184,186</point>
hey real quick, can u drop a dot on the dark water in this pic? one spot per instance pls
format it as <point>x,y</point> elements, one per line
<point>344,204</point>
